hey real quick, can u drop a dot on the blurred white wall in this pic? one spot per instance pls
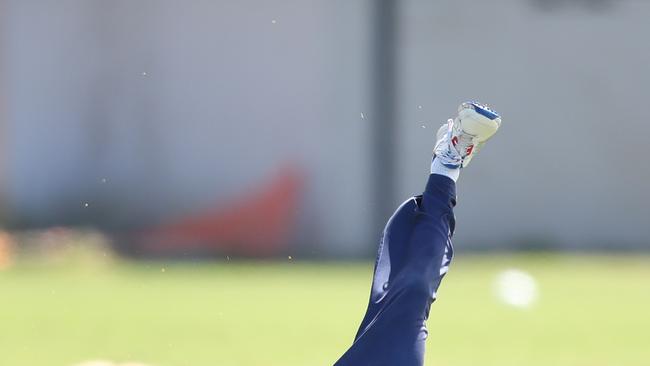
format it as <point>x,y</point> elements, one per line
<point>570,79</point>
<point>179,105</point>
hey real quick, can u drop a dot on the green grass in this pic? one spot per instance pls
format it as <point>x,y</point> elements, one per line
<point>592,311</point>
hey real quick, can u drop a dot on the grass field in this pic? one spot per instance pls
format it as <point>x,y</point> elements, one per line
<point>592,311</point>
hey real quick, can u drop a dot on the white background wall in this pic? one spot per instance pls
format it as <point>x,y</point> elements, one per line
<point>569,165</point>
<point>229,96</point>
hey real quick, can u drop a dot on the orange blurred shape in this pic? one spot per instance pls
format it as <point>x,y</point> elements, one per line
<point>258,223</point>
<point>6,250</point>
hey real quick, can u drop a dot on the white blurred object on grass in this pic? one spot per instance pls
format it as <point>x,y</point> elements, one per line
<point>516,288</point>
